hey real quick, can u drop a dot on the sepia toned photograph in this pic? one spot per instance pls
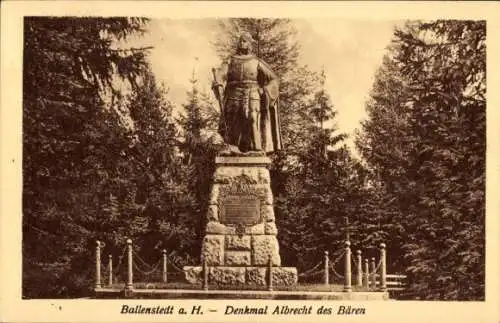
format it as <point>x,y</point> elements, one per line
<point>256,163</point>
<point>210,158</point>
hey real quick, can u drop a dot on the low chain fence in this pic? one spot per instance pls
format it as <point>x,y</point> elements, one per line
<point>367,273</point>
<point>132,271</point>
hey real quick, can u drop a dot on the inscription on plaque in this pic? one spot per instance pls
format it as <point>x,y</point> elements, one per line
<point>240,210</point>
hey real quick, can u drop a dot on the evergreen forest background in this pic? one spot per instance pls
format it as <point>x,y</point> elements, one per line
<point>101,163</point>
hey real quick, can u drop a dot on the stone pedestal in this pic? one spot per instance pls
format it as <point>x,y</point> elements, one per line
<point>240,236</point>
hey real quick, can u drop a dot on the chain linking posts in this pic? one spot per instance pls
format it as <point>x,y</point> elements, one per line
<point>383,268</point>
<point>130,276</point>
<point>359,265</point>
<point>347,267</point>
<point>98,265</point>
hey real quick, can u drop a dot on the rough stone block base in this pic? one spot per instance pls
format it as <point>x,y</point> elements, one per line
<point>265,247</point>
<point>213,249</point>
<point>241,235</point>
<point>255,276</point>
<point>226,275</point>
<point>284,276</point>
<point>237,258</point>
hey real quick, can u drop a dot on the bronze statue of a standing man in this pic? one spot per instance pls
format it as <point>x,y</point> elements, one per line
<point>249,102</point>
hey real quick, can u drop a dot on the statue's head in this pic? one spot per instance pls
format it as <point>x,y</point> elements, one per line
<point>245,43</point>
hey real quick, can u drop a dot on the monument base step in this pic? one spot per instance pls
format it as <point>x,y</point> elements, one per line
<point>115,293</point>
<point>254,276</point>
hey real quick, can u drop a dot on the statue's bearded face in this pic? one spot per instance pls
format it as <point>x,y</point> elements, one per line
<point>244,46</point>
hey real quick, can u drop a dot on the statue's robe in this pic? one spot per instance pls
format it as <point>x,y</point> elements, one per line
<point>245,75</point>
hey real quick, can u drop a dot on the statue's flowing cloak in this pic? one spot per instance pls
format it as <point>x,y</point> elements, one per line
<point>270,122</point>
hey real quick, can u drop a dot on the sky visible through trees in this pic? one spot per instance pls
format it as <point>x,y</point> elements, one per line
<point>103,163</point>
<point>349,51</point>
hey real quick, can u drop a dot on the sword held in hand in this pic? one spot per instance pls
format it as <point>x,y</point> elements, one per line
<point>217,88</point>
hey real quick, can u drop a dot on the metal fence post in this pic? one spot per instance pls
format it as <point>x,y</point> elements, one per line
<point>205,275</point>
<point>270,275</point>
<point>98,265</point>
<point>164,253</point>
<point>347,267</point>
<point>110,270</point>
<point>374,274</point>
<point>130,280</point>
<point>359,265</point>
<point>327,276</point>
<point>367,274</point>
<point>383,268</point>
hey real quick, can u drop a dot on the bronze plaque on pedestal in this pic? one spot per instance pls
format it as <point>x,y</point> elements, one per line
<point>240,210</point>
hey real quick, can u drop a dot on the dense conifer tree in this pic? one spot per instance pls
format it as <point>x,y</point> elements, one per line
<point>425,142</point>
<point>73,144</point>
